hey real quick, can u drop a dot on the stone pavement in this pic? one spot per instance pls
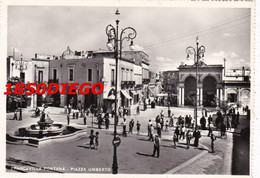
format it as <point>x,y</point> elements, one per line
<point>205,163</point>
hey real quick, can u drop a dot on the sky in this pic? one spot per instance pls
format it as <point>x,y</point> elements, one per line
<point>162,33</point>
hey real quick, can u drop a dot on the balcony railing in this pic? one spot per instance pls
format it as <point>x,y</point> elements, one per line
<point>54,81</point>
<point>127,84</point>
<point>146,80</point>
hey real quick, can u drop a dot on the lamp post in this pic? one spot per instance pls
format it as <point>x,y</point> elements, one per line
<point>21,66</point>
<point>115,40</point>
<point>198,53</point>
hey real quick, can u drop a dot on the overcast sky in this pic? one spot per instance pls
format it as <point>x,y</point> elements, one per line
<point>163,33</point>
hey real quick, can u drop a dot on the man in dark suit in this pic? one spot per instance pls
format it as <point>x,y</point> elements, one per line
<point>156,147</point>
<point>196,135</point>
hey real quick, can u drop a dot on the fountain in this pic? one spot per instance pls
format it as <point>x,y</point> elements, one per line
<point>44,131</point>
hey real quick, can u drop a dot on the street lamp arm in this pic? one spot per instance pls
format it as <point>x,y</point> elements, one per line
<point>131,34</point>
<point>110,31</point>
<point>201,50</point>
<point>191,51</point>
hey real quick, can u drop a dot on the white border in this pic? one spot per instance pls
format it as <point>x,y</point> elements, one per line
<point>118,3</point>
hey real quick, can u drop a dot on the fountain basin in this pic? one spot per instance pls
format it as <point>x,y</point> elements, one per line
<point>36,137</point>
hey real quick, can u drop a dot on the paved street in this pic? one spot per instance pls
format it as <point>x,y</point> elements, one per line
<point>134,153</point>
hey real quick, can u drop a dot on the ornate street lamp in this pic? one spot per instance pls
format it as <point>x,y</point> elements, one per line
<point>198,53</point>
<point>21,66</point>
<point>115,41</point>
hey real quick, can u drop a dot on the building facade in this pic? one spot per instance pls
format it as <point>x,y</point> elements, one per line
<point>213,88</point>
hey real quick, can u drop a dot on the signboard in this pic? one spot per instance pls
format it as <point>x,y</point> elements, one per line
<point>116,141</point>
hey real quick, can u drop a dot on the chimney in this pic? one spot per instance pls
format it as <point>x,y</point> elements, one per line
<point>36,55</point>
<point>243,71</point>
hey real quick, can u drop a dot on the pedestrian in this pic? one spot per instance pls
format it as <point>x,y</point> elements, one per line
<point>15,115</point>
<point>161,114</point>
<point>148,127</point>
<point>138,110</point>
<point>73,115</point>
<point>107,121</point>
<point>124,127</point>
<point>186,121</point>
<point>210,119</point>
<point>188,138</point>
<point>193,122</point>
<point>131,125</point>
<point>91,139</point>
<point>166,126</point>
<point>177,132</point>
<point>158,127</point>
<point>172,121</point>
<point>157,119</point>
<point>68,119</point>
<point>77,114</point>
<point>213,139</point>
<point>203,123</point>
<point>169,111</point>
<point>162,122</point>
<point>229,125</point>
<point>183,130</point>
<point>151,133</point>
<point>85,119</point>
<point>210,130</point>
<point>196,135</point>
<point>223,129</point>
<point>96,140</point>
<point>175,139</point>
<point>138,125</point>
<point>69,108</point>
<point>100,120</point>
<point>156,148</point>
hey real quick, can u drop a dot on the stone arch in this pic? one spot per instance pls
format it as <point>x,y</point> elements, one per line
<point>209,91</point>
<point>190,90</point>
<point>212,75</point>
<point>183,78</point>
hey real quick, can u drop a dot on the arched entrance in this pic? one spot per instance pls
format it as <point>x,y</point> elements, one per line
<point>189,91</point>
<point>90,99</point>
<point>72,99</point>
<point>209,91</point>
<point>245,97</point>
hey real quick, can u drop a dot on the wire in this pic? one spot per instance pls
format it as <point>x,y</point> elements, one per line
<point>200,31</point>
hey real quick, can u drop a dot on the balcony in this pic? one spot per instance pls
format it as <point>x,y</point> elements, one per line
<point>146,81</point>
<point>54,81</point>
<point>127,84</point>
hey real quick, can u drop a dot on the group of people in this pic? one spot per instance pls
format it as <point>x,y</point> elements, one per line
<point>131,126</point>
<point>93,139</point>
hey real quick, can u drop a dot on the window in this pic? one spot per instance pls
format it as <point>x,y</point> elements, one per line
<point>98,75</point>
<point>89,75</point>
<point>55,73</point>
<point>112,77</point>
<point>71,74</point>
<point>40,76</point>
<point>232,97</point>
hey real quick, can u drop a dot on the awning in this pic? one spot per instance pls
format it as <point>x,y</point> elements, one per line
<point>134,92</point>
<point>111,97</point>
<point>162,94</point>
<point>126,94</point>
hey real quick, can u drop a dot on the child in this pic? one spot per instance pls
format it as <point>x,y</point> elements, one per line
<point>96,140</point>
<point>138,127</point>
<point>166,125</point>
<point>175,139</point>
<point>91,137</point>
<point>213,138</point>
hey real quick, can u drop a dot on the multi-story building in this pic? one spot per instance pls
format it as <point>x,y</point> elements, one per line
<point>89,67</point>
